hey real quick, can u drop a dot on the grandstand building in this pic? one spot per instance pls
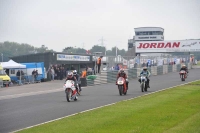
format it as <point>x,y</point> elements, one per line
<point>145,34</point>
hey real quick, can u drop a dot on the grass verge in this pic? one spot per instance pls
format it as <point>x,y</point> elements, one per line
<point>171,111</point>
<point>198,63</point>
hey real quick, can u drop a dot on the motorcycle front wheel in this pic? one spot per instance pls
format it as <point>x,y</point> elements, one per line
<point>145,88</point>
<point>182,77</point>
<point>120,89</point>
<point>142,86</point>
<point>68,94</point>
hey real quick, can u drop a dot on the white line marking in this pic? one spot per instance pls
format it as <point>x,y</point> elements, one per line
<point>101,106</point>
<point>31,93</point>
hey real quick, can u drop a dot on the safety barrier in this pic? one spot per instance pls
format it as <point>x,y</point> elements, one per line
<point>174,68</point>
<point>165,69</point>
<point>178,67</point>
<point>154,70</point>
<point>159,70</point>
<point>170,68</point>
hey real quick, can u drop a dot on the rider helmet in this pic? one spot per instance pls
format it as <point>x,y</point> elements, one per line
<point>183,65</point>
<point>144,68</point>
<point>74,72</point>
<point>121,70</point>
<point>70,74</point>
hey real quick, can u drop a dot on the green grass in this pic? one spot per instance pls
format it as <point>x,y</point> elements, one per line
<point>174,110</point>
<point>198,63</point>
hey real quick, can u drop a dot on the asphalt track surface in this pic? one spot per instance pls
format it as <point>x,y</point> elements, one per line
<point>28,105</point>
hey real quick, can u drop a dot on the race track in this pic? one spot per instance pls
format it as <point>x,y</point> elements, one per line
<point>28,105</point>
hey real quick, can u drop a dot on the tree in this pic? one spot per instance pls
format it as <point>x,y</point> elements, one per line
<point>10,49</point>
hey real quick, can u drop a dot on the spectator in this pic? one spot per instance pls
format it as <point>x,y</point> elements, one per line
<point>52,73</point>
<point>22,74</point>
<point>61,73</point>
<point>84,73</point>
<point>72,67</point>
<point>117,67</point>
<point>99,63</point>
<point>135,65</point>
<point>33,75</point>
<point>36,74</point>
<point>58,73</point>
<point>18,74</point>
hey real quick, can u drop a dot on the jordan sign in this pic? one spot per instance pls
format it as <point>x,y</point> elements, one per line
<point>167,46</point>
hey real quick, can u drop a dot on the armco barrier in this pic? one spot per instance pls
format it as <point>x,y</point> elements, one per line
<point>169,68</point>
<point>153,70</point>
<point>139,71</point>
<point>159,70</point>
<point>90,82</point>
<point>178,67</point>
<point>111,76</point>
<point>165,69</point>
<point>174,68</point>
<point>189,66</point>
<point>101,78</point>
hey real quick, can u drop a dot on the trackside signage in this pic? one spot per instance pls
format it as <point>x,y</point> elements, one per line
<point>63,57</point>
<point>167,46</point>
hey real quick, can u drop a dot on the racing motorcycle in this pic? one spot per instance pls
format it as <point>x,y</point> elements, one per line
<point>183,75</point>
<point>143,83</point>
<point>120,82</point>
<point>70,90</point>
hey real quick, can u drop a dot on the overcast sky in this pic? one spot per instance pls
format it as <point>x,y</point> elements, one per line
<point>82,23</point>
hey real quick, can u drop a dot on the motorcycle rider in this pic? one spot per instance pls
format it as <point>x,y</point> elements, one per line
<point>123,74</point>
<point>70,76</point>
<point>184,68</point>
<point>77,78</point>
<point>145,71</point>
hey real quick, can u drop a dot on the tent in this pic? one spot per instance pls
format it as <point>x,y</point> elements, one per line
<point>12,64</point>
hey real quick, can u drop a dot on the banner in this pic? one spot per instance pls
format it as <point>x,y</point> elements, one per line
<point>64,57</point>
<point>167,46</point>
<point>125,62</point>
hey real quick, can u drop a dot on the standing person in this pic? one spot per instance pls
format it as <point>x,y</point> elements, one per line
<point>117,67</point>
<point>72,67</point>
<point>58,74</point>
<point>36,74</point>
<point>99,63</point>
<point>52,73</point>
<point>33,75</point>
<point>18,74</point>
<point>61,73</point>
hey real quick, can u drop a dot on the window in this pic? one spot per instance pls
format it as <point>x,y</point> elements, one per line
<point>12,71</point>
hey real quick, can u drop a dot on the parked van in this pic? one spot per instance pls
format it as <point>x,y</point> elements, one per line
<point>4,76</point>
